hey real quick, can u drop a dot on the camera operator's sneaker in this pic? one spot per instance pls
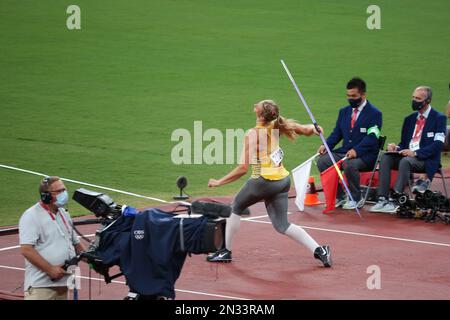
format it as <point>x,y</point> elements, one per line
<point>350,205</point>
<point>420,186</point>
<point>223,255</point>
<point>340,202</point>
<point>390,207</point>
<point>379,205</point>
<point>323,254</point>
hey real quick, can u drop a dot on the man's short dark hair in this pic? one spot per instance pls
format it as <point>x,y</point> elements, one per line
<point>357,83</point>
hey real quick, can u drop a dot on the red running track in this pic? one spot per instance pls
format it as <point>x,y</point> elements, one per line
<point>413,257</point>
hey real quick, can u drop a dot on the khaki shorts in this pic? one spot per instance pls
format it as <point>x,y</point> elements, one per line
<point>50,293</point>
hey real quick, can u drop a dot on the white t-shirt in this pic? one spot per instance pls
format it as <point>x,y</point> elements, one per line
<point>54,240</point>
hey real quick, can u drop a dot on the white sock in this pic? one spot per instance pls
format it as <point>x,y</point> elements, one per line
<point>296,233</point>
<point>231,228</point>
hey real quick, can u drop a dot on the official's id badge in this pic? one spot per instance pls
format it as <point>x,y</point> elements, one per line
<point>414,146</point>
<point>277,156</point>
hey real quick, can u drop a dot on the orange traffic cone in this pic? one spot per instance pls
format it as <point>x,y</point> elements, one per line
<point>311,197</point>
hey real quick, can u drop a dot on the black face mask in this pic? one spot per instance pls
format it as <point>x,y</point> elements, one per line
<point>417,105</point>
<point>355,103</point>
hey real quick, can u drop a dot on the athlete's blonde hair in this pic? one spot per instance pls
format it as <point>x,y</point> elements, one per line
<point>271,112</point>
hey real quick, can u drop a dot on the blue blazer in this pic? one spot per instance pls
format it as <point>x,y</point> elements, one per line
<point>365,145</point>
<point>431,141</point>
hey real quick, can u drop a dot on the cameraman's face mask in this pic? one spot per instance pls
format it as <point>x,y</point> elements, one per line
<point>59,194</point>
<point>62,199</point>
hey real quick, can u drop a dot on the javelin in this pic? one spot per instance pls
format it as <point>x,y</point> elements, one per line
<point>320,134</point>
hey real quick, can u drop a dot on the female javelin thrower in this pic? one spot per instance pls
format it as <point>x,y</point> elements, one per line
<point>269,181</point>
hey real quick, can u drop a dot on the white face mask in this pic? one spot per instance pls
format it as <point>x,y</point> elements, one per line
<point>62,199</point>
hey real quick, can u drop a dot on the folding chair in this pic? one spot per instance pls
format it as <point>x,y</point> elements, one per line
<point>381,141</point>
<point>411,181</point>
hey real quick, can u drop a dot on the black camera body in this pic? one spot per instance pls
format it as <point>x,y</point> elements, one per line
<point>427,205</point>
<point>98,203</point>
<point>407,207</point>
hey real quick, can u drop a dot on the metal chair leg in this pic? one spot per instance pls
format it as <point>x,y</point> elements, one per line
<point>377,162</point>
<point>369,185</point>
<point>410,184</point>
<point>443,182</point>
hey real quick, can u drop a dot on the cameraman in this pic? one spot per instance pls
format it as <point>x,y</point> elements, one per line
<point>47,240</point>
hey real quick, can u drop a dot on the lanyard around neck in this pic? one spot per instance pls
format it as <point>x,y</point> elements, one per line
<point>53,216</point>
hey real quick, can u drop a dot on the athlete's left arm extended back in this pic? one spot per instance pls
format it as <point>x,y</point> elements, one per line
<point>242,167</point>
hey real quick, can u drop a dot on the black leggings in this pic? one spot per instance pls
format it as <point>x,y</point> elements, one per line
<point>275,196</point>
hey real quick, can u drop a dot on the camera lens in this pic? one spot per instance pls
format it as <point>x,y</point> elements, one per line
<point>402,199</point>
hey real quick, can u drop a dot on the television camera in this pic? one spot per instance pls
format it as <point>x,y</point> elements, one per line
<point>204,220</point>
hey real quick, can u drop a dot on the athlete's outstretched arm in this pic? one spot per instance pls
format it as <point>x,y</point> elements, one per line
<point>240,170</point>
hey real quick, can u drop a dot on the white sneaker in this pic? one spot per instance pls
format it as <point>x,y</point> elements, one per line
<point>389,207</point>
<point>351,205</point>
<point>379,205</point>
<point>340,202</point>
<point>420,186</point>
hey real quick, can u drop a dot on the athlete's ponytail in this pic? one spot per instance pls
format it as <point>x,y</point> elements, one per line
<point>286,127</point>
<point>271,112</point>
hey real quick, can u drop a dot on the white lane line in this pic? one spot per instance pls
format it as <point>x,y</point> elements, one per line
<point>12,268</point>
<point>251,218</point>
<point>15,247</point>
<point>9,248</point>
<point>90,185</point>
<point>211,294</point>
<point>367,235</point>
<point>319,229</point>
<point>258,217</point>
<point>124,283</point>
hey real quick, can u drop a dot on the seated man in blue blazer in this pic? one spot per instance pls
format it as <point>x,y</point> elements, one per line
<point>423,135</point>
<point>358,125</point>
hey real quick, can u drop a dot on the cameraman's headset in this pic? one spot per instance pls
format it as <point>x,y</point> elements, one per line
<point>46,196</point>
